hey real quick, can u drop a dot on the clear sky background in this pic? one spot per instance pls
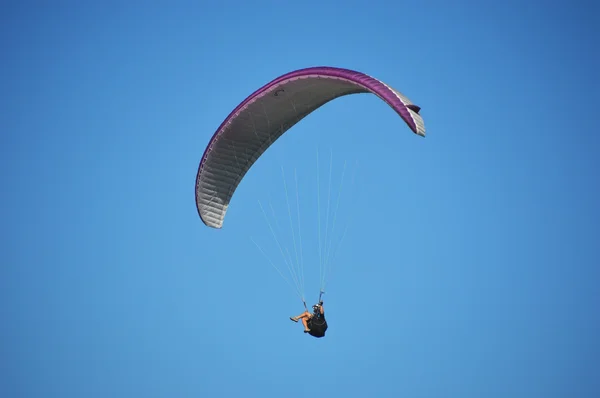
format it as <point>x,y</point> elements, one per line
<point>470,267</point>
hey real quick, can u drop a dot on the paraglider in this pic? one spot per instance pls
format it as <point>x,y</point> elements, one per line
<point>314,324</point>
<point>264,116</point>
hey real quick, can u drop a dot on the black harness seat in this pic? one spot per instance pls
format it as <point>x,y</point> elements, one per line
<point>317,325</point>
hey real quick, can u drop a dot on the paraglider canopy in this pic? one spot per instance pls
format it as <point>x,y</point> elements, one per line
<point>266,114</point>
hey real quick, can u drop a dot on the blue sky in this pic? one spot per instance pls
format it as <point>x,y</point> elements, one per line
<point>470,265</point>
